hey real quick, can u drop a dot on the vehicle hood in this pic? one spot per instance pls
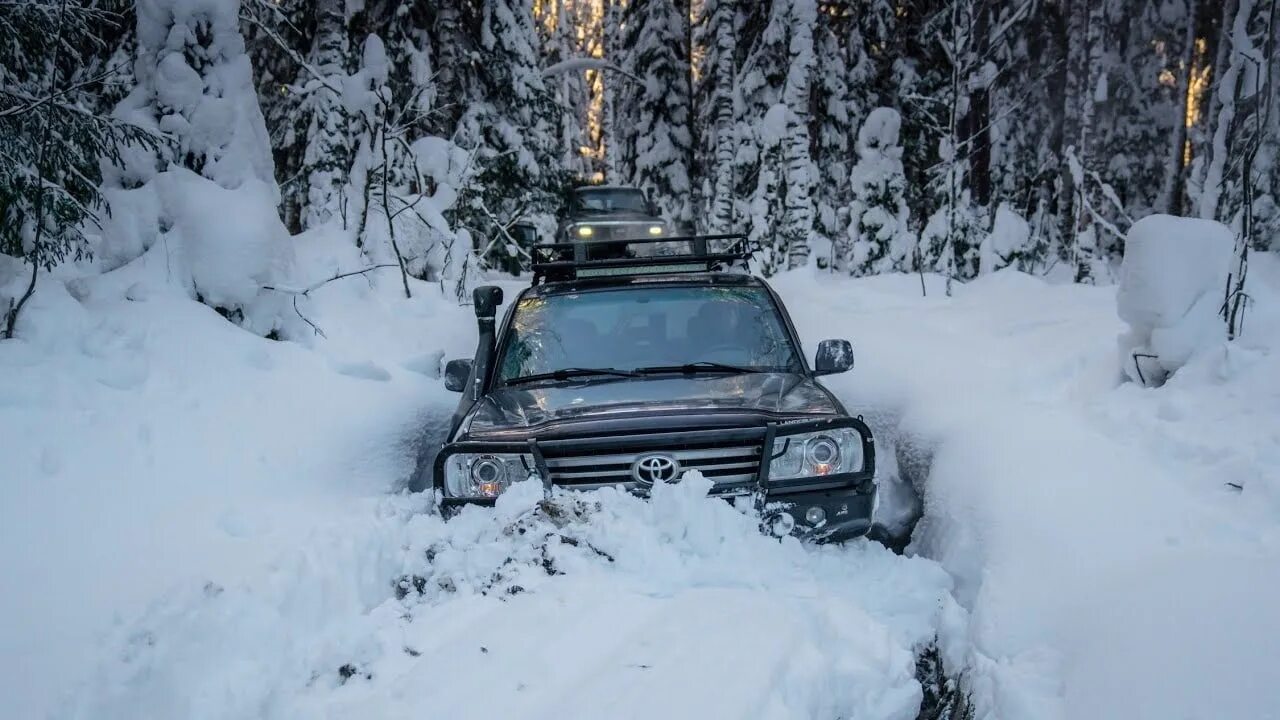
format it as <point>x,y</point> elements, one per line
<point>773,393</point>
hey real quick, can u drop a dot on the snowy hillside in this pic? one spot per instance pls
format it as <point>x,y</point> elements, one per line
<point>184,550</point>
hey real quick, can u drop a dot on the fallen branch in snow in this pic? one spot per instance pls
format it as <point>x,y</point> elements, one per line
<point>306,291</point>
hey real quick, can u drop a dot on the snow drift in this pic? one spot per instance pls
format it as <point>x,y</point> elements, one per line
<point>1172,284</point>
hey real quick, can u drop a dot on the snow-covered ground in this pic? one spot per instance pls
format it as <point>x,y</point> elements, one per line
<point>201,523</point>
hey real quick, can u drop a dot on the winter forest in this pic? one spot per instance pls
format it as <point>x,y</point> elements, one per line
<point>866,136</point>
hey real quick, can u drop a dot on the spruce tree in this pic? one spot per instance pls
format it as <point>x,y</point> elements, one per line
<point>326,160</point>
<point>511,121</point>
<point>879,239</point>
<point>52,144</point>
<point>658,142</point>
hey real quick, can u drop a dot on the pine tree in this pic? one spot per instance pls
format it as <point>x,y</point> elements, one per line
<point>53,146</point>
<point>773,164</point>
<point>326,161</point>
<point>834,117</point>
<point>879,238</point>
<point>511,121</point>
<point>658,142</point>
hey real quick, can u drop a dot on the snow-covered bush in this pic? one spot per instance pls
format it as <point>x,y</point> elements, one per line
<point>401,186</point>
<point>207,200</point>
<point>878,237</point>
<point>1172,283</point>
<point>1008,243</point>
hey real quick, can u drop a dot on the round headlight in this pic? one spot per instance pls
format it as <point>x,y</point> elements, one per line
<point>586,231</point>
<point>823,454</point>
<point>489,475</point>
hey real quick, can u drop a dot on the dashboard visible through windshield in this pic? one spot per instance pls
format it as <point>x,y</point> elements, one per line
<point>637,328</point>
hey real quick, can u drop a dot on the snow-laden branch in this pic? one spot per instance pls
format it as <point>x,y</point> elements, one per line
<point>306,291</point>
<point>587,63</point>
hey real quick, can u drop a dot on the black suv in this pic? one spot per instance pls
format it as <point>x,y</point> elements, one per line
<point>629,371</point>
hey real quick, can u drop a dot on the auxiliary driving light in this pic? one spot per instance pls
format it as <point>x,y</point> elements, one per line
<point>782,524</point>
<point>815,516</point>
<point>655,229</point>
<point>586,232</point>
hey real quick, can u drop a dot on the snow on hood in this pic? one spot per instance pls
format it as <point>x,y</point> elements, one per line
<point>526,406</point>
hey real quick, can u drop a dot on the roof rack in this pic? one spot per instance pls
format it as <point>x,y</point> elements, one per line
<point>577,260</point>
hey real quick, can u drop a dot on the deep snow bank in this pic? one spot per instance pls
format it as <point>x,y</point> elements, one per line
<point>1109,568</point>
<point>150,444</point>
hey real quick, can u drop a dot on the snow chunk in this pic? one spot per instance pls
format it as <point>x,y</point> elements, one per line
<point>1171,284</point>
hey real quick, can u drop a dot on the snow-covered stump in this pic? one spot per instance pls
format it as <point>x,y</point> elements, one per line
<point>1172,285</point>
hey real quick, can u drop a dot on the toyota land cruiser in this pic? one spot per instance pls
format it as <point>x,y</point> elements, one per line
<point>630,371</point>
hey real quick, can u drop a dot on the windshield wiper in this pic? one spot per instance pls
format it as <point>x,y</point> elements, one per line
<point>702,366</point>
<point>568,373</point>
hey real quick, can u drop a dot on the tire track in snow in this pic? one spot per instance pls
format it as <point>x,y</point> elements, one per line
<point>675,606</point>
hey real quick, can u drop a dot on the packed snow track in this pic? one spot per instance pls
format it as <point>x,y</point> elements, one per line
<point>584,606</point>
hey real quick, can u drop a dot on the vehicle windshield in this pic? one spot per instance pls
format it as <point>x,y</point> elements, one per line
<point>612,200</point>
<point>638,328</point>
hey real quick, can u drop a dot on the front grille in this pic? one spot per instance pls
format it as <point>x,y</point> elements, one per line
<point>721,465</point>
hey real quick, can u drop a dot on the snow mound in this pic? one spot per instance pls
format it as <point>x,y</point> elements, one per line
<point>1172,284</point>
<point>580,605</point>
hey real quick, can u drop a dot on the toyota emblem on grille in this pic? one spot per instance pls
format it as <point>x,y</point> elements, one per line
<point>652,469</point>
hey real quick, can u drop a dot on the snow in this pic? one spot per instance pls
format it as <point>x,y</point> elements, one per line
<point>1009,236</point>
<point>1108,568</point>
<point>210,527</point>
<point>1172,284</point>
<point>151,445</point>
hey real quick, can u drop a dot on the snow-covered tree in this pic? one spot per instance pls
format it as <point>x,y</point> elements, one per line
<point>773,131</point>
<point>878,238</point>
<point>326,160</point>
<point>51,145</point>
<point>211,193</point>
<point>800,175</point>
<point>571,31</point>
<point>716,106</point>
<point>511,122</point>
<point>834,118</point>
<point>658,141</point>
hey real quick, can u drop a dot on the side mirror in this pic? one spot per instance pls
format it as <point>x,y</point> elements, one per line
<point>834,356</point>
<point>487,299</point>
<point>525,234</point>
<point>456,373</point>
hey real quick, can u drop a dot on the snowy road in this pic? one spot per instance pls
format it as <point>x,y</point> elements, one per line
<point>609,606</point>
<point>277,579</point>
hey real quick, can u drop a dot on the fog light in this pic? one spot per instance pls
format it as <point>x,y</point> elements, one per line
<point>782,524</point>
<point>815,516</point>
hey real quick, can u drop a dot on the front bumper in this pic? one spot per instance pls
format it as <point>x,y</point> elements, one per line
<point>848,513</point>
<point>848,500</point>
